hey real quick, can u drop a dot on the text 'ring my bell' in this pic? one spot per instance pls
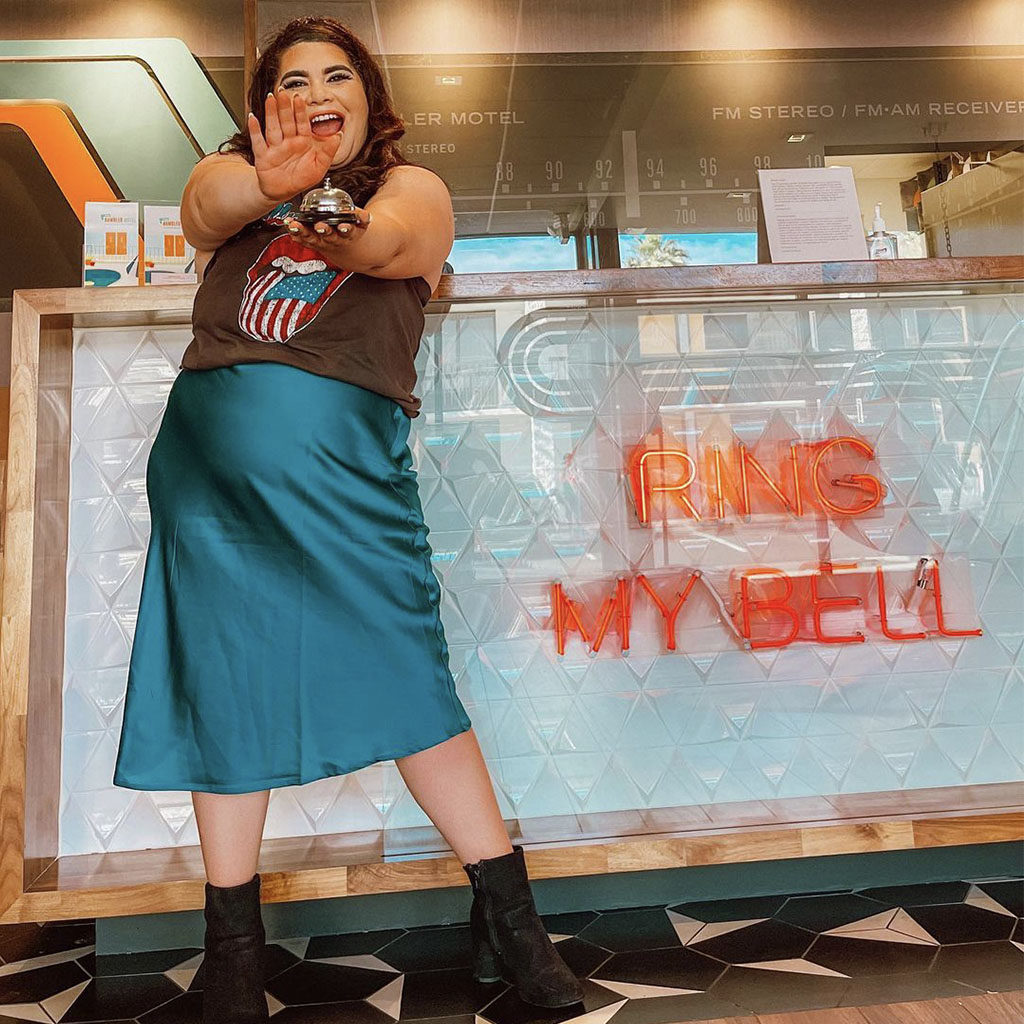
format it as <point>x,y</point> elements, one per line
<point>328,205</point>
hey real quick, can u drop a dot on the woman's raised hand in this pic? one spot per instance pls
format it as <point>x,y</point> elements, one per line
<point>290,158</point>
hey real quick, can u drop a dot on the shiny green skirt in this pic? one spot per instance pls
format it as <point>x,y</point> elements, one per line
<point>288,625</point>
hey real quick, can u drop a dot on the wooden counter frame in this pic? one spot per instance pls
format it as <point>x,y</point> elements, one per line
<point>36,884</point>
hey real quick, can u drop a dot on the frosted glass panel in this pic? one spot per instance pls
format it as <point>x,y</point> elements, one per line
<point>531,414</point>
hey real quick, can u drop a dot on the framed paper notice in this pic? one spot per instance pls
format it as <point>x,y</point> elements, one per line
<point>811,215</point>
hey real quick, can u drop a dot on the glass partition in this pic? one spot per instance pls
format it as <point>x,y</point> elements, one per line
<point>655,155</point>
<point>693,550</point>
<point>632,136</point>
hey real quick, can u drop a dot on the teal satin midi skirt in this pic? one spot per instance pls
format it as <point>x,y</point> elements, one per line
<point>288,626</point>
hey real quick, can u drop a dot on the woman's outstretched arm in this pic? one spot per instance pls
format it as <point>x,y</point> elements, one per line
<point>221,196</point>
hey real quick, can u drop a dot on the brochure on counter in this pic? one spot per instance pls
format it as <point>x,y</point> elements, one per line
<point>115,255</point>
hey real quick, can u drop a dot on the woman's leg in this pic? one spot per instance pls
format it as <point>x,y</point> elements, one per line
<point>451,783</point>
<point>231,832</point>
<point>234,962</point>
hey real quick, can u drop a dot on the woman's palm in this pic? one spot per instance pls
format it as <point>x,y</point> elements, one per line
<point>289,159</point>
<point>293,166</point>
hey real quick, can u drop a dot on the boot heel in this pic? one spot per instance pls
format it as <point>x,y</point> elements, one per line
<point>508,933</point>
<point>486,968</point>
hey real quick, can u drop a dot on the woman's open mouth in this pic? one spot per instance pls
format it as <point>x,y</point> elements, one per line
<point>326,125</point>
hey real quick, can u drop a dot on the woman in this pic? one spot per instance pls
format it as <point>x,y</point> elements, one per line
<point>288,625</point>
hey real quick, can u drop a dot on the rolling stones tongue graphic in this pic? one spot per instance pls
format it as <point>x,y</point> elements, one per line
<point>286,287</point>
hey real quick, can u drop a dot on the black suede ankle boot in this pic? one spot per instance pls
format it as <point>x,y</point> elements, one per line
<point>233,967</point>
<point>510,941</point>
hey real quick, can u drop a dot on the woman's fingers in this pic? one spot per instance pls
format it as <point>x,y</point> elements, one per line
<point>323,232</point>
<point>310,233</point>
<point>285,113</point>
<point>362,221</point>
<point>301,112</point>
<point>300,232</point>
<point>346,230</point>
<point>272,121</point>
<point>256,140</point>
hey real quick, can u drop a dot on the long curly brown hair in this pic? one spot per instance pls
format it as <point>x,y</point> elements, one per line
<point>366,172</point>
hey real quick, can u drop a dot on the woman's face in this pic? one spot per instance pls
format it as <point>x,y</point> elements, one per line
<point>323,74</point>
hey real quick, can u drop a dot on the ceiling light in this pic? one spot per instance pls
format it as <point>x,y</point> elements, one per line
<point>447,79</point>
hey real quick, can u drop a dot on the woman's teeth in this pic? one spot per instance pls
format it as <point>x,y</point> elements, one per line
<point>327,126</point>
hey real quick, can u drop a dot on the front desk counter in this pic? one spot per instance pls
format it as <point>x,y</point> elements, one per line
<point>608,755</point>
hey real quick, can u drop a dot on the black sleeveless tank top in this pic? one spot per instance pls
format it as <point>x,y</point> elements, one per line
<point>266,297</point>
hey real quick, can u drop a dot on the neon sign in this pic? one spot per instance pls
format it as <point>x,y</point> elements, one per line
<point>760,619</point>
<point>826,478</point>
<point>768,606</point>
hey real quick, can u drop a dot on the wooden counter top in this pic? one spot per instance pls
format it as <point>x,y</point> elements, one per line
<point>740,279</point>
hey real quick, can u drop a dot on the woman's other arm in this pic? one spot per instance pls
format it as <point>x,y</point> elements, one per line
<point>411,233</point>
<point>415,205</point>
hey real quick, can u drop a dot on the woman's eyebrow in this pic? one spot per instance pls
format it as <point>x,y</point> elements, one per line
<point>327,71</point>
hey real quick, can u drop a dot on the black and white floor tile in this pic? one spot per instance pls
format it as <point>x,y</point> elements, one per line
<point>648,965</point>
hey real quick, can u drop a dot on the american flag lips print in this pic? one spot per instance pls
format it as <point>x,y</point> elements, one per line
<point>286,287</point>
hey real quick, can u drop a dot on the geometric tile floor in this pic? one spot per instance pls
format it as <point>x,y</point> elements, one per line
<point>647,965</point>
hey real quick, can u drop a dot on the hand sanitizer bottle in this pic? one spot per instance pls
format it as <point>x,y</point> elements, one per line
<point>881,243</point>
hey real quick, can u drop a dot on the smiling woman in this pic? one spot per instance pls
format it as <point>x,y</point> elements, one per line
<point>315,122</point>
<point>289,621</point>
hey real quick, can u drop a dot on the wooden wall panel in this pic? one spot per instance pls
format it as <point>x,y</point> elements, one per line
<point>49,575</point>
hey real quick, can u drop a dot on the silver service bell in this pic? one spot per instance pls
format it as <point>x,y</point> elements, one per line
<point>327,204</point>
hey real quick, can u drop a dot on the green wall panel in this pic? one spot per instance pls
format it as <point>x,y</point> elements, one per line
<point>123,115</point>
<point>177,70</point>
